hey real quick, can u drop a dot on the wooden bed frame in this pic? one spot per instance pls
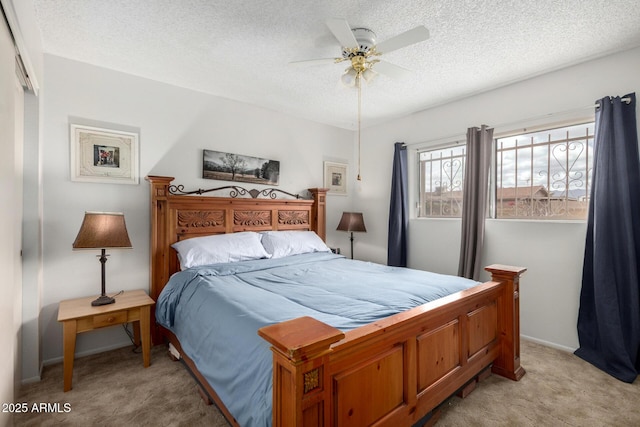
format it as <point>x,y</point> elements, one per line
<point>393,372</point>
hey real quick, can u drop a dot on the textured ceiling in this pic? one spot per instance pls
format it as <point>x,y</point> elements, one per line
<point>240,49</point>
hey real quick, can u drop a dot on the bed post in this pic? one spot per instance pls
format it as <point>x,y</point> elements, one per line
<point>319,211</point>
<point>301,382</point>
<point>159,272</point>
<point>508,362</point>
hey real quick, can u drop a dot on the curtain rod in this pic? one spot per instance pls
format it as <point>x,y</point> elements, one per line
<point>461,137</point>
<point>436,144</point>
<point>499,128</point>
<point>627,100</point>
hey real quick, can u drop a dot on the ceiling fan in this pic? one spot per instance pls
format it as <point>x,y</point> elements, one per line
<point>360,49</point>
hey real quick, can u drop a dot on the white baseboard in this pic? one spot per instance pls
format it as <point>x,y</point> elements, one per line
<point>59,359</point>
<point>548,344</point>
<point>35,379</point>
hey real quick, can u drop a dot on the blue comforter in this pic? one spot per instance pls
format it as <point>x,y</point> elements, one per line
<point>215,311</point>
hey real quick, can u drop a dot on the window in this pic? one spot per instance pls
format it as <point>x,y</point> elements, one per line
<point>545,175</point>
<point>441,182</point>
<point>540,175</point>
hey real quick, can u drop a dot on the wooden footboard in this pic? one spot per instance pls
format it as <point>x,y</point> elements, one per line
<point>395,371</point>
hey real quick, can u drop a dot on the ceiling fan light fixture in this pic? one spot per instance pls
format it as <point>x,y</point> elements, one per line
<point>369,75</point>
<point>349,78</point>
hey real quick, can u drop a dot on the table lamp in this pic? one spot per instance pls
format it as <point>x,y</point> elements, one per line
<point>351,221</point>
<point>101,230</point>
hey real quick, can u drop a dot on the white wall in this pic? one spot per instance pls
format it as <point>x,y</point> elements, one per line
<point>552,252</point>
<point>175,125</point>
<point>11,135</point>
<point>31,243</point>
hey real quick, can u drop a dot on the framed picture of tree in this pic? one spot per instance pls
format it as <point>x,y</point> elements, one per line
<point>239,168</point>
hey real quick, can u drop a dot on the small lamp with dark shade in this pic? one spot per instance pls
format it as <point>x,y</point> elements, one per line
<point>102,230</point>
<point>350,222</point>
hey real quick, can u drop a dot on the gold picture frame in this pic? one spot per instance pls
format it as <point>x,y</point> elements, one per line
<point>335,178</point>
<point>103,155</point>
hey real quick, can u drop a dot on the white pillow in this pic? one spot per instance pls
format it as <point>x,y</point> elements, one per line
<point>219,248</point>
<point>284,243</point>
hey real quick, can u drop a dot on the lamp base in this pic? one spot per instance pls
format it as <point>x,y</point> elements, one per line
<point>103,300</point>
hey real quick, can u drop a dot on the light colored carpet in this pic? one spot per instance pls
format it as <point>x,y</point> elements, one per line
<point>559,389</point>
<point>113,389</point>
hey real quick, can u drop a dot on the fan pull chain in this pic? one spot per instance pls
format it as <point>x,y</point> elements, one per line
<point>359,81</point>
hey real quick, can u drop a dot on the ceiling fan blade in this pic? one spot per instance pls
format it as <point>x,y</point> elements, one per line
<point>416,35</point>
<point>309,62</point>
<point>391,70</point>
<point>342,31</point>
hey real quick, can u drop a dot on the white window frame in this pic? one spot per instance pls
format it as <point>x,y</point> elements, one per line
<point>579,119</point>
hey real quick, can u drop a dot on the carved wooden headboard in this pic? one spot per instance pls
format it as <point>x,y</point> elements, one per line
<point>177,217</point>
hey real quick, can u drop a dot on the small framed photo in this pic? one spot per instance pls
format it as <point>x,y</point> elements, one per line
<point>335,178</point>
<point>103,155</point>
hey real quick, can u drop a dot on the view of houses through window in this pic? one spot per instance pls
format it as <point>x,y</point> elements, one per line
<point>538,175</point>
<point>441,182</point>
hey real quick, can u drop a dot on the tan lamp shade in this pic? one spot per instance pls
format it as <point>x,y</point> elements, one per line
<point>102,230</point>
<point>351,221</point>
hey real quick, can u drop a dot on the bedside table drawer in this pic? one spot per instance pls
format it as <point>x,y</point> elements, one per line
<point>109,319</point>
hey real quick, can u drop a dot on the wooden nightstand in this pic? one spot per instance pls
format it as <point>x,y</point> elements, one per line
<point>78,315</point>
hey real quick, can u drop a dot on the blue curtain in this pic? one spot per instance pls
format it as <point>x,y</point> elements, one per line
<point>609,315</point>
<point>399,209</point>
